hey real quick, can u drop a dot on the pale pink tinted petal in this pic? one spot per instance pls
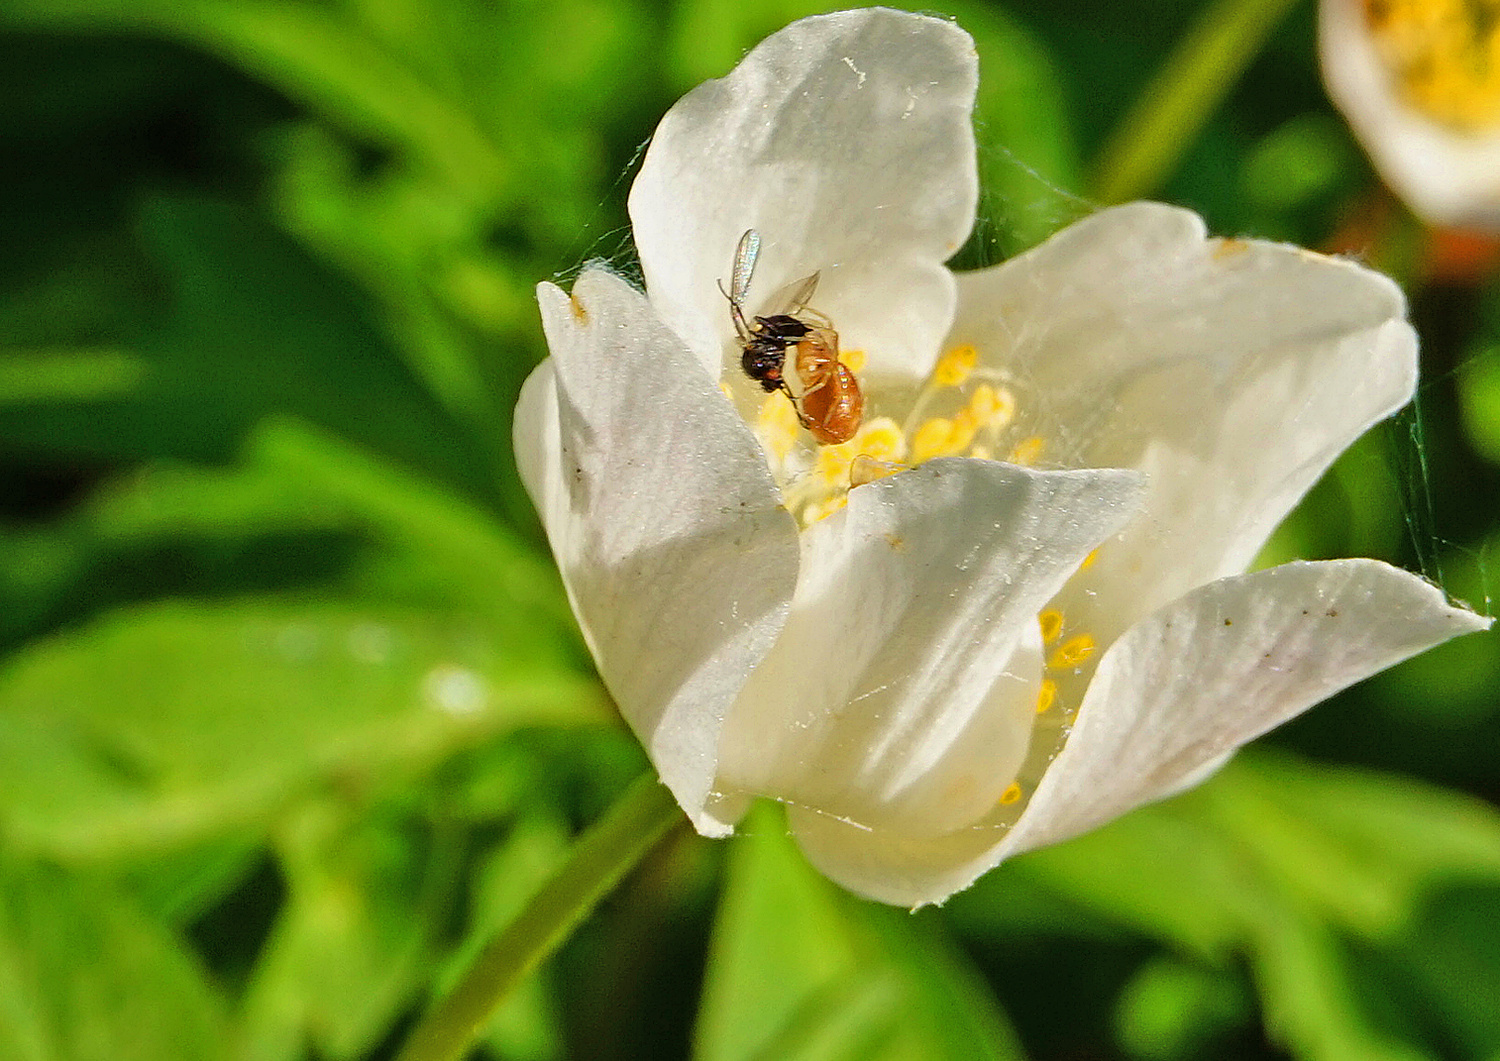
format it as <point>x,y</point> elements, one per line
<point>845,141</point>
<point>676,553</point>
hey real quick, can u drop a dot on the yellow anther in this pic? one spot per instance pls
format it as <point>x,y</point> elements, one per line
<point>776,424</point>
<point>954,367</point>
<point>990,407</point>
<point>882,439</point>
<point>1444,55</point>
<point>879,439</point>
<point>1046,696</point>
<point>1089,560</point>
<point>1052,623</point>
<point>833,461</point>
<point>854,360</point>
<point>934,438</point>
<point>1011,794</point>
<point>1028,450</point>
<point>1072,653</point>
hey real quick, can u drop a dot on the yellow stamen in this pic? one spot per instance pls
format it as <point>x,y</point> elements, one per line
<point>932,439</point>
<point>954,367</point>
<point>1052,624</point>
<point>1444,56</point>
<point>1028,450</point>
<point>1011,794</point>
<point>1046,696</point>
<point>1089,560</point>
<point>776,423</point>
<point>1072,653</point>
<point>853,360</point>
<point>879,439</point>
<point>990,407</point>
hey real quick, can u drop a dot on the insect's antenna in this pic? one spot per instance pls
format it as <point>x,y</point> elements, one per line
<point>741,326</point>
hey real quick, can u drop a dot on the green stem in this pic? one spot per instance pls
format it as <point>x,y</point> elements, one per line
<point>1149,142</point>
<point>603,855</point>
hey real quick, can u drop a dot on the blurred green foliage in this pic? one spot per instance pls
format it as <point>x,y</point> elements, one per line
<point>293,715</point>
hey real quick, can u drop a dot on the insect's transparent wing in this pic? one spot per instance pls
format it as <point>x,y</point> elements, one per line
<point>802,294</point>
<point>744,265</point>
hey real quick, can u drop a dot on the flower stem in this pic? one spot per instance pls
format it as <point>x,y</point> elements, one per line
<point>603,855</point>
<point>1148,143</point>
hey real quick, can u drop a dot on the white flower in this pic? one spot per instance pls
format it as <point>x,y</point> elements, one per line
<point>972,657</point>
<point>1419,80</point>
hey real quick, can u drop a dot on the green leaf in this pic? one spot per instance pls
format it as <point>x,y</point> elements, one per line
<point>527,1026</point>
<point>1448,958</point>
<point>1270,860</point>
<point>479,553</point>
<point>252,326</point>
<point>85,977</point>
<point>351,945</point>
<point>311,54</point>
<point>1171,1010</point>
<point>161,725</point>
<point>1147,145</point>
<point>68,375</point>
<point>801,971</point>
<point>1479,398</point>
<point>1360,849</point>
<point>1029,167</point>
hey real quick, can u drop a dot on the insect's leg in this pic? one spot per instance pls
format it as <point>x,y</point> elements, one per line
<point>818,320</point>
<point>796,406</point>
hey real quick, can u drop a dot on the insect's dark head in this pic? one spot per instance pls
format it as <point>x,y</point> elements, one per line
<point>763,360</point>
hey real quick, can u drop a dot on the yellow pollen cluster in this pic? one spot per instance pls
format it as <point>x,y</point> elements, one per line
<point>1028,451</point>
<point>963,410</point>
<point>954,367</point>
<point>1445,56</point>
<point>1046,696</point>
<point>777,424</point>
<point>880,439</point>
<point>1073,652</point>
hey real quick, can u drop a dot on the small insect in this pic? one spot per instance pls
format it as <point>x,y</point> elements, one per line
<point>831,404</point>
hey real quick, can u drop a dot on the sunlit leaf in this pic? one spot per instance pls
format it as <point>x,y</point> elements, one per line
<point>84,976</point>
<point>801,971</point>
<point>1269,861</point>
<point>349,947</point>
<point>162,724</point>
<point>1172,1010</point>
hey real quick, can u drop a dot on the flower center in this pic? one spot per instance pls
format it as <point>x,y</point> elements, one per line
<point>1444,56</point>
<point>964,409</point>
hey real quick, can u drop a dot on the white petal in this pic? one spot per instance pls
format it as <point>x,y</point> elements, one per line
<point>1191,683</point>
<point>845,140</point>
<point>1445,175</point>
<point>676,552</point>
<point>899,701</point>
<point>1231,372</point>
